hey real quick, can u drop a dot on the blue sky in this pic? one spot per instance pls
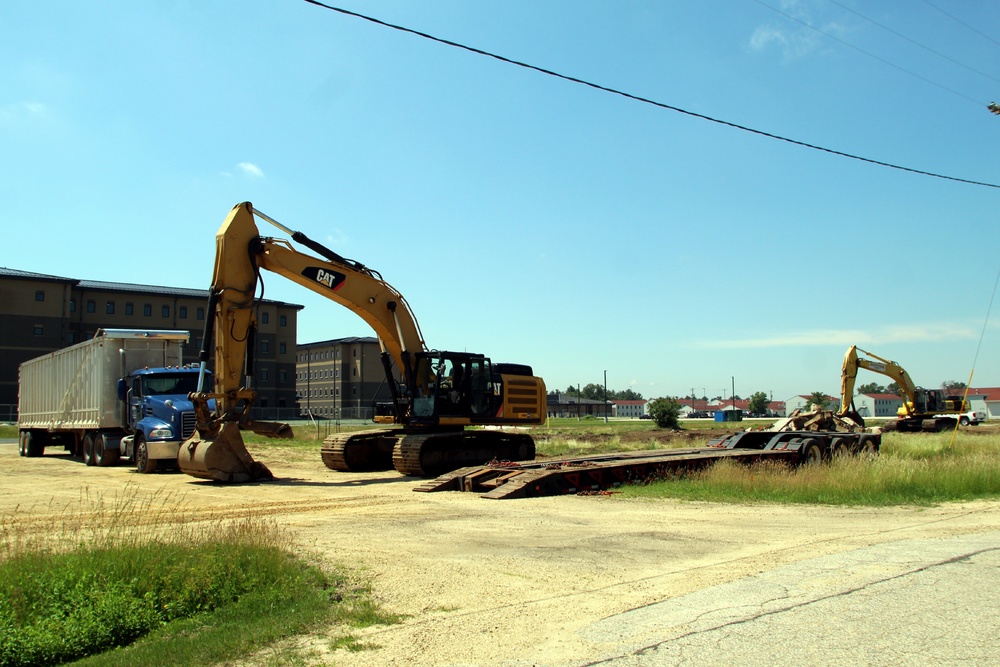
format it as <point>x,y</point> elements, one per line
<point>529,218</point>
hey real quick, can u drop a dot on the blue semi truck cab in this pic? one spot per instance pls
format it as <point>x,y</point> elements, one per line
<point>159,414</point>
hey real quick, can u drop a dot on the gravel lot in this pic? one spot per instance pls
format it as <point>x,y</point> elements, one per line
<point>519,582</point>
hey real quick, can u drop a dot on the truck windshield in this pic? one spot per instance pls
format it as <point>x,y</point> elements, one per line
<point>170,383</point>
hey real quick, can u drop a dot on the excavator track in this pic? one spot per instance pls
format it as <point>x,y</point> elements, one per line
<point>433,454</point>
<point>359,452</point>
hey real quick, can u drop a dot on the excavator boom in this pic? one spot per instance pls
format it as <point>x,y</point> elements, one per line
<point>438,395</point>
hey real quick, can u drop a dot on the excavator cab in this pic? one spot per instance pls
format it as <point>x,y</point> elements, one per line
<point>452,388</point>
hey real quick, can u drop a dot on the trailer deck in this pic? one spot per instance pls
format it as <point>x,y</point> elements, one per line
<point>504,479</point>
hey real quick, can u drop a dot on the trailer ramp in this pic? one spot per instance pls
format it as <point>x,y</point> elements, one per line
<point>502,480</point>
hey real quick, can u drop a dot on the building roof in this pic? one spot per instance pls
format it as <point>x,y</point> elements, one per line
<point>628,402</point>
<point>28,275</point>
<point>884,397</point>
<point>349,340</point>
<point>100,285</point>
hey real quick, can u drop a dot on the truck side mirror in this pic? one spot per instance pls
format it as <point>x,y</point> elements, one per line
<point>122,389</point>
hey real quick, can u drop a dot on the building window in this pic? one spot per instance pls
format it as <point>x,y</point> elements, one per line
<point>72,305</point>
<point>265,346</point>
<point>39,330</point>
<point>282,348</point>
<point>199,314</point>
<point>165,311</point>
<point>147,309</point>
<point>129,309</point>
<point>110,308</point>
<point>263,374</point>
<point>282,375</point>
<point>71,338</point>
<point>264,317</point>
<point>40,295</point>
<point>183,312</point>
<point>91,306</point>
<point>283,320</point>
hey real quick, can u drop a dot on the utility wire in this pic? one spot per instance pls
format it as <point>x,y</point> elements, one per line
<point>870,55</point>
<point>645,100</point>
<point>961,22</point>
<point>914,42</point>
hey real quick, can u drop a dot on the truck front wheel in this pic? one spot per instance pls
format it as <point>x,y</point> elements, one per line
<point>142,461</point>
<point>964,421</point>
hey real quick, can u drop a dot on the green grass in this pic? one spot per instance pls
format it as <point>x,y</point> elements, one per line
<point>912,469</point>
<point>8,430</point>
<point>132,583</point>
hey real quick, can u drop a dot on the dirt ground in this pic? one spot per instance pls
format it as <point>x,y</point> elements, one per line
<point>483,582</point>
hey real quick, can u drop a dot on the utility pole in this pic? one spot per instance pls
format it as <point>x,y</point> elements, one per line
<point>605,397</point>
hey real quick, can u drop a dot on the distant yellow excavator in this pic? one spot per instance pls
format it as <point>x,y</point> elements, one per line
<point>922,409</point>
<point>435,395</point>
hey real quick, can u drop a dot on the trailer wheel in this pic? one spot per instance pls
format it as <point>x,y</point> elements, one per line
<point>22,449</point>
<point>867,449</point>
<point>88,449</point>
<point>810,452</point>
<point>142,461</point>
<point>103,455</point>
<point>839,448</point>
<point>34,445</point>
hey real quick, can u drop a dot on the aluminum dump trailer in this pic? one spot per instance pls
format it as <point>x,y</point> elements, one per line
<point>121,393</point>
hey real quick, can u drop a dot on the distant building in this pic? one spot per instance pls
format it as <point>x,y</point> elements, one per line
<point>632,409</point>
<point>43,313</point>
<point>340,378</point>
<point>877,405</point>
<point>566,405</point>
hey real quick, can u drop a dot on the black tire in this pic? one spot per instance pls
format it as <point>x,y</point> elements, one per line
<point>22,447</point>
<point>140,454</point>
<point>104,455</point>
<point>88,449</point>
<point>964,421</point>
<point>34,445</point>
<point>839,448</point>
<point>867,448</point>
<point>810,452</point>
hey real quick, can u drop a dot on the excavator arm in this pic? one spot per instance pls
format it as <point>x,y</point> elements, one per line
<point>876,364</point>
<point>216,451</point>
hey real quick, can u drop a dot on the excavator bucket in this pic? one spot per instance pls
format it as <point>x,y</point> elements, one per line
<point>224,458</point>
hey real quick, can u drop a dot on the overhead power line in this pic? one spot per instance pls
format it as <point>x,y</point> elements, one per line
<point>915,42</point>
<point>644,100</point>
<point>961,22</point>
<point>867,53</point>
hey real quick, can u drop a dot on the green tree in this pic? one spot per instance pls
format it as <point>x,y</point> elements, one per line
<point>871,388</point>
<point>819,400</point>
<point>594,391</point>
<point>893,388</point>
<point>625,395</point>
<point>758,403</point>
<point>665,412</point>
<point>953,386</point>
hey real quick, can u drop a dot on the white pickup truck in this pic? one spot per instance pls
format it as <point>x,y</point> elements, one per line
<point>970,418</point>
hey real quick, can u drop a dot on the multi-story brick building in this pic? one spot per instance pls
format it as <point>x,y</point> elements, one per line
<point>41,313</point>
<point>340,378</point>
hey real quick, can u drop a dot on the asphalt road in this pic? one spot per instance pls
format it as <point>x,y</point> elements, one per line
<point>914,602</point>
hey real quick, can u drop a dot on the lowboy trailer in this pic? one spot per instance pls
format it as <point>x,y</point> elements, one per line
<point>501,480</point>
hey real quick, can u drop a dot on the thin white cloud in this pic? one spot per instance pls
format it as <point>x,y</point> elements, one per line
<point>921,333</point>
<point>250,169</point>
<point>18,110</point>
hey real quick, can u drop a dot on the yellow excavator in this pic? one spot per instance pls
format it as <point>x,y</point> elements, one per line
<point>922,410</point>
<point>436,395</point>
